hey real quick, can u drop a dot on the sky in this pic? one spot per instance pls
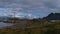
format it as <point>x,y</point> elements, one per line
<point>29,8</point>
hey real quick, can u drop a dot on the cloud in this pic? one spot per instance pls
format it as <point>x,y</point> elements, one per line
<point>25,4</point>
<point>30,6</point>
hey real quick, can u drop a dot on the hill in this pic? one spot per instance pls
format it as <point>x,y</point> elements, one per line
<point>53,16</point>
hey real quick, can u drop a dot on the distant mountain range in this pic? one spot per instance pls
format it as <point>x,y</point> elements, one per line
<point>53,16</point>
<point>4,17</point>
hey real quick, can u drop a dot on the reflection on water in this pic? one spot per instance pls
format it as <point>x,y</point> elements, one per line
<point>2,24</point>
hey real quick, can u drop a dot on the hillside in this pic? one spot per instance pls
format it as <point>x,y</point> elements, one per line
<point>53,16</point>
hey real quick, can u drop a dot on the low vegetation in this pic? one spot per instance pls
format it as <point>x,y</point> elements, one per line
<point>39,27</point>
<point>35,30</point>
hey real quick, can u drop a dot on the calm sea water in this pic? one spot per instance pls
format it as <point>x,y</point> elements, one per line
<point>2,24</point>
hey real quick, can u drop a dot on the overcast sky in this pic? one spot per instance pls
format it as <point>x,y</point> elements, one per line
<point>29,8</point>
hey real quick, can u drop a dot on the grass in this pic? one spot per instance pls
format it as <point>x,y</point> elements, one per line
<point>48,29</point>
<point>35,30</point>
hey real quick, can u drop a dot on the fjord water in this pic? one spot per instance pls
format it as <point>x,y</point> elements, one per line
<point>2,24</point>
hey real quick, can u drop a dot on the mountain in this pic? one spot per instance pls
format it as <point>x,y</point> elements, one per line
<point>53,16</point>
<point>4,17</point>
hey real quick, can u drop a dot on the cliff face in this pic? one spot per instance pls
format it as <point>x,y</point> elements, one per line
<point>53,16</point>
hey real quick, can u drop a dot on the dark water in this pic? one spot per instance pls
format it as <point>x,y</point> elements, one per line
<point>2,24</point>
